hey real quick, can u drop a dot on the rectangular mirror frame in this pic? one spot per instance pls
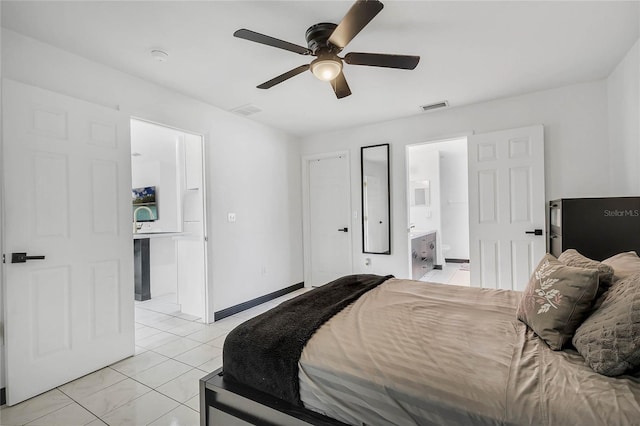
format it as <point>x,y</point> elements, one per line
<point>386,245</point>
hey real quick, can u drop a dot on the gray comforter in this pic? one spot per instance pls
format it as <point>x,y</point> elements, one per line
<point>410,353</point>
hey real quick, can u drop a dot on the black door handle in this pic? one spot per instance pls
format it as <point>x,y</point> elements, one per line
<point>343,229</point>
<point>22,257</point>
<point>534,232</point>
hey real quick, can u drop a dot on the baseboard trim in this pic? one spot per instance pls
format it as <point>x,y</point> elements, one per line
<point>456,260</point>
<point>3,396</point>
<point>227,312</point>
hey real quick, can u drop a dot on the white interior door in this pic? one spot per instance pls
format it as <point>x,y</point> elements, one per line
<point>329,224</point>
<point>67,186</point>
<point>506,206</point>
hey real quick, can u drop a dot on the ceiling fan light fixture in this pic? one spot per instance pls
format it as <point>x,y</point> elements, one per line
<point>326,68</point>
<point>159,55</point>
<point>325,41</point>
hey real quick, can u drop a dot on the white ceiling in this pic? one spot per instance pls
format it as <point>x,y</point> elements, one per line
<point>470,51</point>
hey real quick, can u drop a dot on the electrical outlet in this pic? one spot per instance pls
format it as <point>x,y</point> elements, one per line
<point>231,217</point>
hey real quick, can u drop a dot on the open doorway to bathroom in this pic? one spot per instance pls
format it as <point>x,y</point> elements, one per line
<point>169,230</point>
<point>438,206</point>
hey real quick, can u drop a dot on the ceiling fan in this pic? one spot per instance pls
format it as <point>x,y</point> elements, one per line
<point>325,41</point>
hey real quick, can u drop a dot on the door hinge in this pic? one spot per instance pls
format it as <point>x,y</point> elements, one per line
<point>3,258</point>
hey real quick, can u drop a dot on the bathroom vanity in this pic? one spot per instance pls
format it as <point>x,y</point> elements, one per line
<point>423,253</point>
<point>141,261</point>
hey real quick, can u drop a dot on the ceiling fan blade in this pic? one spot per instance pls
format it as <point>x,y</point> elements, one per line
<point>270,41</point>
<point>282,77</point>
<point>404,62</point>
<point>360,14</point>
<point>340,86</point>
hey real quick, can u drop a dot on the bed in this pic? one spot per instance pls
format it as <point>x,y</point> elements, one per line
<point>408,352</point>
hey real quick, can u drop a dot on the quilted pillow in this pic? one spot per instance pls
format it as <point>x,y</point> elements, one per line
<point>572,257</point>
<point>609,340</point>
<point>624,264</point>
<point>557,299</point>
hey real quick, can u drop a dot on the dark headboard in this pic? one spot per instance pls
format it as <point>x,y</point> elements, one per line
<point>597,227</point>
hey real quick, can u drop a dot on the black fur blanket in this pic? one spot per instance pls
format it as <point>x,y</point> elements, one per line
<point>263,352</point>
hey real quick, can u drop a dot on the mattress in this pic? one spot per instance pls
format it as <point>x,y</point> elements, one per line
<point>410,352</point>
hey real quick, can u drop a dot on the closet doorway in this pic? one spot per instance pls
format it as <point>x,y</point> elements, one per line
<point>169,227</point>
<point>326,216</point>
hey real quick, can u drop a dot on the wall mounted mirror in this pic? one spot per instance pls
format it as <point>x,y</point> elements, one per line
<point>376,223</point>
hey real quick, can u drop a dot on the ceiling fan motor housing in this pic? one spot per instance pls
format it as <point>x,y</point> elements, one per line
<point>317,36</point>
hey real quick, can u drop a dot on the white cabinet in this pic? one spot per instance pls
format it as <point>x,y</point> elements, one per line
<point>193,161</point>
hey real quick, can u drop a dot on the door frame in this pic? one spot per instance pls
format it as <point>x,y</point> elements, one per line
<point>208,288</point>
<point>3,399</point>
<point>306,199</point>
<point>208,313</point>
<point>407,183</point>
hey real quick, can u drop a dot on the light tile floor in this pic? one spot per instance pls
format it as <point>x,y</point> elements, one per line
<point>451,273</point>
<point>157,386</point>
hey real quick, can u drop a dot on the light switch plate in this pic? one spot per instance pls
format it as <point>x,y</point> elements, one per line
<point>231,217</point>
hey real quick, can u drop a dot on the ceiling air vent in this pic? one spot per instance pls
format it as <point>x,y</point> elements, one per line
<point>246,110</point>
<point>437,105</point>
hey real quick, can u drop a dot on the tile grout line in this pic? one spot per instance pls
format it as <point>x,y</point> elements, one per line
<point>222,329</point>
<point>51,412</point>
<point>152,389</point>
<point>78,402</point>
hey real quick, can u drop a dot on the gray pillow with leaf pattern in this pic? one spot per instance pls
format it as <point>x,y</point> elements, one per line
<point>557,299</point>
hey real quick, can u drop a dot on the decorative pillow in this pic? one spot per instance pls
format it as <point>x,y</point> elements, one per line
<point>609,340</point>
<point>557,299</point>
<point>572,257</point>
<point>623,264</point>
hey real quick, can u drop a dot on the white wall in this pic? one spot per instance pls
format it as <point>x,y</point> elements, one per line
<point>159,165</point>
<point>454,183</point>
<point>424,165</point>
<point>576,150</point>
<point>252,169</point>
<point>623,89</point>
